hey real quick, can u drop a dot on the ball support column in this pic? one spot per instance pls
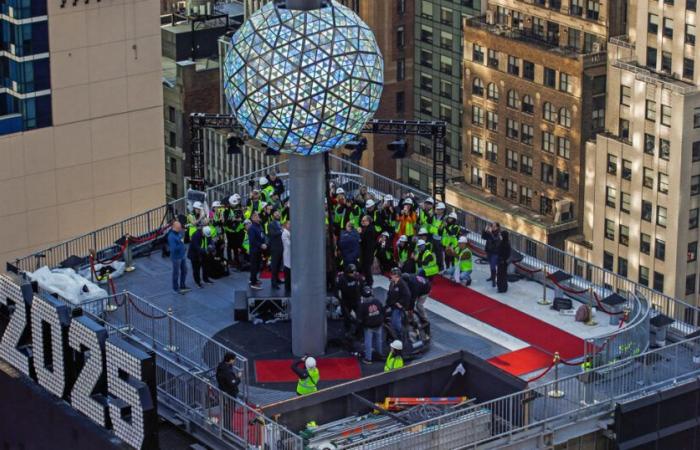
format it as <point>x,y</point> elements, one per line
<point>308,249</point>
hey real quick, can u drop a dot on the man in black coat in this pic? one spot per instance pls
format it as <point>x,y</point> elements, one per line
<point>274,236</point>
<point>197,253</point>
<point>370,314</point>
<point>398,299</point>
<point>227,377</point>
<point>349,289</point>
<point>368,244</point>
<point>492,236</point>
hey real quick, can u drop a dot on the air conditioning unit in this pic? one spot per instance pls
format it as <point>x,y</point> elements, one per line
<point>490,17</point>
<point>562,211</point>
<point>595,47</point>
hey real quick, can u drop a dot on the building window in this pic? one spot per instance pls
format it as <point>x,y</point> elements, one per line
<point>650,110</point>
<point>511,190</point>
<point>692,251</point>
<point>401,6</point>
<point>664,149</point>
<point>526,134</point>
<point>563,179</point>
<point>688,68</point>
<point>690,284</point>
<point>564,147</point>
<point>625,202</point>
<point>668,27</point>
<point>696,151</point>
<point>624,129</point>
<point>647,210</point>
<point>493,59</point>
<point>400,69</point>
<point>663,183</point>
<point>528,105</point>
<point>625,95</point>
<point>477,116</point>
<point>548,142</point>
<point>649,143</point>
<point>492,92</point>
<point>576,7</point>
<point>565,117</point>
<point>645,243</point>
<point>666,115</point>
<point>695,185</point>
<point>478,53</point>
<point>660,249</point>
<point>513,100</point>
<point>661,216</point>
<point>400,102</point>
<point>609,229</point>
<point>426,105</point>
<point>491,151</point>
<point>492,184</point>
<point>612,164</point>
<point>592,9</point>
<point>477,177</point>
<point>173,165</point>
<point>550,77</point>
<point>651,58</point>
<point>693,218</point>
<point>546,205</point>
<point>648,179</point>
<point>492,120</point>
<point>574,39</point>
<point>689,34</point>
<point>513,65</point>
<point>477,87</point>
<point>400,37</point>
<point>526,165</point>
<point>608,260</point>
<point>548,112</point>
<point>171,114</point>
<point>659,278</point>
<point>653,23</point>
<point>426,10</point>
<point>426,58</point>
<point>512,129</point>
<point>666,62</point>
<point>644,276</point>
<point>446,16</point>
<point>426,34</point>
<point>611,196</point>
<point>172,139</point>
<point>526,196</point>
<point>477,146</point>
<point>511,160</point>
<point>696,118</point>
<point>538,26</point>
<point>565,84</point>
<point>446,64</point>
<point>622,266</point>
<point>546,173</point>
<point>528,70</point>
<point>690,5</point>
<point>626,169</point>
<point>446,113</point>
<point>446,40</point>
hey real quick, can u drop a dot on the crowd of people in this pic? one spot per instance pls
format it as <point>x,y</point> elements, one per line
<point>410,239</point>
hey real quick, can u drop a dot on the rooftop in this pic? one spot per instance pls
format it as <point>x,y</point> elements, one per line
<point>511,331</point>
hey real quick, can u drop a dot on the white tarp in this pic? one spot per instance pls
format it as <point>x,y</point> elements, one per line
<point>68,284</point>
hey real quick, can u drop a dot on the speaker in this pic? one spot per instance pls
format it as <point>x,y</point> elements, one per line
<point>562,303</point>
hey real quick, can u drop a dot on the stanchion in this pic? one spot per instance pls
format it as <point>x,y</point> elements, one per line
<point>171,347</point>
<point>543,301</point>
<point>591,322</point>
<point>556,392</point>
<point>128,260</point>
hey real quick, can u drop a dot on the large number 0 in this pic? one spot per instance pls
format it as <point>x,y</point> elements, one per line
<point>88,395</point>
<point>50,322</point>
<point>18,301</point>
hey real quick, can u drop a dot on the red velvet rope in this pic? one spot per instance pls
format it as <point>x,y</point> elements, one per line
<point>525,269</point>
<point>146,314</point>
<point>545,372</point>
<point>112,287</point>
<point>602,307</point>
<point>565,289</point>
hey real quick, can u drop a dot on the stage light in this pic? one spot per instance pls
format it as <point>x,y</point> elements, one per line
<point>358,146</point>
<point>233,144</point>
<point>399,147</point>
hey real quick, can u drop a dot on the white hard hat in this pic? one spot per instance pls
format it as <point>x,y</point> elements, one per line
<point>422,231</point>
<point>463,240</point>
<point>206,231</point>
<point>263,204</point>
<point>408,201</point>
<point>452,215</point>
<point>369,203</point>
<point>262,181</point>
<point>440,206</point>
<point>403,238</point>
<point>388,198</point>
<point>396,345</point>
<point>234,199</point>
<point>197,205</point>
<point>310,362</point>
<point>340,191</point>
<point>429,200</point>
<point>421,242</point>
<point>385,233</point>
<point>216,204</point>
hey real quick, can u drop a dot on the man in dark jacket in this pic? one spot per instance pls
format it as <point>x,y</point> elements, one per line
<point>349,245</point>
<point>274,236</point>
<point>398,298</point>
<point>368,244</point>
<point>370,314</point>
<point>178,257</point>
<point>349,288</point>
<point>492,236</point>
<point>257,243</point>
<point>420,288</point>
<point>197,253</point>
<point>277,183</point>
<point>227,377</point>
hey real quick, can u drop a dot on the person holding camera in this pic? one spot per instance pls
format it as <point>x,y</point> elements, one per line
<point>227,377</point>
<point>492,236</point>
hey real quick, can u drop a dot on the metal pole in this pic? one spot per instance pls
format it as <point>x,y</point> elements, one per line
<point>543,300</point>
<point>308,248</point>
<point>556,392</point>
<point>171,347</point>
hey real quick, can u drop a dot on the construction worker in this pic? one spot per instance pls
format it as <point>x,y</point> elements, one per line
<point>373,213</point>
<point>426,213</point>
<point>463,262</point>
<point>406,220</point>
<point>385,252</point>
<point>424,235</point>
<point>234,230</point>
<point>394,360</point>
<point>387,216</point>
<point>355,211</point>
<point>197,253</point>
<point>308,374</point>
<point>254,204</point>
<point>266,189</point>
<point>426,264</point>
<point>195,219</point>
<point>450,236</point>
<point>340,211</point>
<point>404,254</point>
<point>435,230</point>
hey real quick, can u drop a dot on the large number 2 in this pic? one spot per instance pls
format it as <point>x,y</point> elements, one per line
<point>18,301</point>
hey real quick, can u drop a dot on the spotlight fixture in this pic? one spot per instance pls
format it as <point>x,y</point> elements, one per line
<point>358,147</point>
<point>399,147</point>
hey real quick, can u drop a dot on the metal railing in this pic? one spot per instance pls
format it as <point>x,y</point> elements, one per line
<point>648,76</point>
<point>535,410</point>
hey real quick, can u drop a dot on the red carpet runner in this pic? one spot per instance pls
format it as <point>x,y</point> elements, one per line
<point>512,321</point>
<point>332,369</point>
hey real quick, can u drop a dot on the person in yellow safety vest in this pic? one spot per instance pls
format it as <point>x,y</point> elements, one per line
<point>254,204</point>
<point>308,374</point>
<point>450,232</point>
<point>424,235</point>
<point>463,263</point>
<point>394,360</point>
<point>425,260</point>
<point>373,213</point>
<point>387,215</point>
<point>234,229</point>
<point>340,210</point>
<point>266,189</point>
<point>403,253</point>
<point>246,242</point>
<point>355,214</point>
<point>587,364</point>
<point>426,213</point>
<point>195,219</point>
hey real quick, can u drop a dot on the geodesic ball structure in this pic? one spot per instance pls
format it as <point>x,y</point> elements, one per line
<point>304,82</point>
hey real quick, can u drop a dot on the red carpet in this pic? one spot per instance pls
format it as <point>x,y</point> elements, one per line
<point>266,275</point>
<point>510,320</point>
<point>522,361</point>
<point>332,369</point>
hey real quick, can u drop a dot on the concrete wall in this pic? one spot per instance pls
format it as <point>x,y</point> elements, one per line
<point>103,158</point>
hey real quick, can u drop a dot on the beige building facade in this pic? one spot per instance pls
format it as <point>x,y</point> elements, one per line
<point>101,159</point>
<point>641,207</point>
